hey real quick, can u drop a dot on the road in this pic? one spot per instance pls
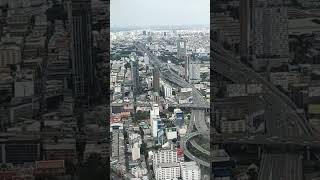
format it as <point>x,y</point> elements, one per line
<point>291,167</point>
<point>266,140</point>
<point>232,68</point>
<point>188,153</point>
<point>281,115</point>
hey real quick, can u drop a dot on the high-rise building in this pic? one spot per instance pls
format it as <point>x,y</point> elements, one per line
<point>135,74</point>
<point>146,59</point>
<point>135,152</point>
<point>271,33</point>
<point>245,27</point>
<point>83,67</point>
<point>165,156</point>
<point>156,80</point>
<point>154,118</point>
<point>182,48</point>
<point>165,171</point>
<point>190,171</point>
<point>167,89</point>
<point>165,164</point>
<point>194,72</point>
<point>186,67</point>
<point>154,125</point>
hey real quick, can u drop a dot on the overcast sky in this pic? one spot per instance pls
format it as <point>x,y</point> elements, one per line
<point>126,13</point>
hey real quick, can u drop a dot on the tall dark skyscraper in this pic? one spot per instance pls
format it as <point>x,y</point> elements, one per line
<point>156,80</point>
<point>245,27</point>
<point>135,74</point>
<point>186,67</point>
<point>83,68</point>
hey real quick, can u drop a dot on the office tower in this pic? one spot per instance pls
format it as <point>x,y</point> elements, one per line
<point>154,118</point>
<point>135,76</point>
<point>194,72</point>
<point>182,48</point>
<point>117,139</point>
<point>186,67</point>
<point>271,33</point>
<point>190,170</point>
<point>167,89</point>
<point>156,80</point>
<point>245,27</point>
<point>83,67</point>
<point>154,125</point>
<point>144,33</point>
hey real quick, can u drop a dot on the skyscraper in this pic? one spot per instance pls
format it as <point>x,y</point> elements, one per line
<point>156,80</point>
<point>194,72</point>
<point>83,67</point>
<point>186,67</point>
<point>135,74</point>
<point>182,48</point>
<point>271,33</point>
<point>245,27</point>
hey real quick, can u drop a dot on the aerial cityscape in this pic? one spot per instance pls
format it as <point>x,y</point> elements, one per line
<point>159,89</point>
<point>160,103</point>
<point>265,85</point>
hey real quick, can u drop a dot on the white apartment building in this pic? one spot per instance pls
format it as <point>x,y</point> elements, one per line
<point>167,171</point>
<point>190,171</point>
<point>135,152</point>
<point>154,115</point>
<point>139,172</point>
<point>165,156</point>
<point>167,90</point>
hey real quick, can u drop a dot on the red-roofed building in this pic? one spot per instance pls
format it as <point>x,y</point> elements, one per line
<point>115,119</point>
<point>180,152</point>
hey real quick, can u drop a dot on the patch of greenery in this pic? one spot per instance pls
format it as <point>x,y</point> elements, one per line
<point>141,115</point>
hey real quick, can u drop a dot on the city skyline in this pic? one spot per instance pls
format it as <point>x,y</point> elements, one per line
<point>126,13</point>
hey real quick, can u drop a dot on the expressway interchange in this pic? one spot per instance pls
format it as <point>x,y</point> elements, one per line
<point>282,118</point>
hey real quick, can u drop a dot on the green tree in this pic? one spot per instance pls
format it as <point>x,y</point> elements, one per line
<point>204,76</point>
<point>141,115</point>
<point>127,65</point>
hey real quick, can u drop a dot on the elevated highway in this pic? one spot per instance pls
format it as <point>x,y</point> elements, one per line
<point>188,138</point>
<point>282,117</point>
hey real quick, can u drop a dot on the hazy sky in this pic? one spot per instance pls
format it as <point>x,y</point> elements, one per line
<point>126,13</point>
